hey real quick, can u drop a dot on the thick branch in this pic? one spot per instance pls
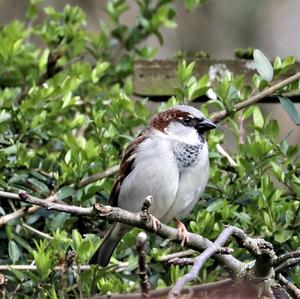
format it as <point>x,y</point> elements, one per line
<point>201,259</point>
<point>261,250</point>
<point>195,242</point>
<point>218,116</point>
<point>292,289</point>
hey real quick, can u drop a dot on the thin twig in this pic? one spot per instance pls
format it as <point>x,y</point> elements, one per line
<point>143,269</point>
<point>242,129</point>
<point>165,258</point>
<point>182,261</point>
<point>291,288</point>
<point>39,233</point>
<point>218,116</point>
<point>222,151</point>
<point>286,256</point>
<point>98,176</point>
<point>21,212</point>
<point>292,262</point>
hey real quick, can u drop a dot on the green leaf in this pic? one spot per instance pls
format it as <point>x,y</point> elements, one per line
<point>192,4</point>
<point>65,192</point>
<point>291,110</point>
<point>263,65</point>
<point>13,251</point>
<point>2,212</point>
<point>99,70</point>
<point>258,119</point>
<point>216,205</point>
<point>4,116</point>
<point>59,220</point>
<point>283,236</point>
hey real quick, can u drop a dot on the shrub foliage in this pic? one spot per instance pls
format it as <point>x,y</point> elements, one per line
<point>67,113</point>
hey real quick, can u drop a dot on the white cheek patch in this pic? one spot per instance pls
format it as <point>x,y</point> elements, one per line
<point>182,133</point>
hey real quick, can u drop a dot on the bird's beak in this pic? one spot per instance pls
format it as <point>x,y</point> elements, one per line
<point>206,125</point>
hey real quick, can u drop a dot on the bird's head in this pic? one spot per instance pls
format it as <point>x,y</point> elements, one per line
<point>182,123</point>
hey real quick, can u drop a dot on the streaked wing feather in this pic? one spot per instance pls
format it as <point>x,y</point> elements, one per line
<point>125,168</point>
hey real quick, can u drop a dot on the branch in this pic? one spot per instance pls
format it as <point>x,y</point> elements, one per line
<point>179,254</point>
<point>222,151</point>
<point>289,286</point>
<point>140,246</point>
<point>292,262</point>
<point>21,212</point>
<point>259,248</point>
<point>218,116</point>
<point>258,273</point>
<point>116,214</point>
<point>98,176</point>
<point>182,261</point>
<point>286,256</point>
<point>201,259</point>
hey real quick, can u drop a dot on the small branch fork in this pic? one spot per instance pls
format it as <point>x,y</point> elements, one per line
<point>260,273</point>
<point>201,259</point>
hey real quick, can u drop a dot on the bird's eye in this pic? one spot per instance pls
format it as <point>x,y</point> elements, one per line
<point>187,121</point>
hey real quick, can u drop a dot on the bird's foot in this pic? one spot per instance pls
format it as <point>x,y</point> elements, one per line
<point>182,232</point>
<point>155,222</point>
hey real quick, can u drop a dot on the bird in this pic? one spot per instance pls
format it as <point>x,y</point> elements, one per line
<point>169,161</point>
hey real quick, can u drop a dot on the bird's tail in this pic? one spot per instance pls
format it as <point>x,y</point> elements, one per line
<point>109,243</point>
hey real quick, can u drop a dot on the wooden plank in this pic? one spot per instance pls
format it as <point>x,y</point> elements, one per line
<point>157,79</point>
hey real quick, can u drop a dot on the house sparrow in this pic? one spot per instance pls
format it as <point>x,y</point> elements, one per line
<point>169,161</point>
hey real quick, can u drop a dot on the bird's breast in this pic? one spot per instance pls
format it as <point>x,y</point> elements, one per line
<point>186,155</point>
<point>193,176</point>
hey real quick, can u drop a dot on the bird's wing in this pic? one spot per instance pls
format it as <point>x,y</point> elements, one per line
<point>125,168</point>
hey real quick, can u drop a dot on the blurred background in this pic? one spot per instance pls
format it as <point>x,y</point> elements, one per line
<point>217,27</point>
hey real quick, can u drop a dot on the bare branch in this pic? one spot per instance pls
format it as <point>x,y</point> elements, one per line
<point>143,269</point>
<point>98,176</point>
<point>21,212</point>
<point>222,151</point>
<point>292,262</point>
<point>201,259</point>
<point>39,233</point>
<point>286,256</point>
<point>179,254</point>
<point>291,288</point>
<point>116,214</point>
<point>261,250</point>
<point>182,261</point>
<point>218,116</point>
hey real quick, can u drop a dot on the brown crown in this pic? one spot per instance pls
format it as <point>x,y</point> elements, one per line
<point>161,120</point>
